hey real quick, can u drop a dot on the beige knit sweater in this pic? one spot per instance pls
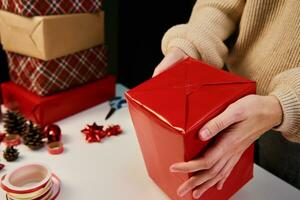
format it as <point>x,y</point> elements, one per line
<point>267,48</point>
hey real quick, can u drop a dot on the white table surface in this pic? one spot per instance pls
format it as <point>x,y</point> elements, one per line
<point>114,169</point>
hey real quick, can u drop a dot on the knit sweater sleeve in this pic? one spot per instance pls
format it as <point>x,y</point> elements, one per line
<point>286,87</point>
<point>211,22</point>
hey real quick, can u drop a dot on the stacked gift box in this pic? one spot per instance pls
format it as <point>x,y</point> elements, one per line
<point>56,57</point>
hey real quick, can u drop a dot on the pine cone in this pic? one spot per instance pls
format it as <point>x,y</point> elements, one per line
<point>11,154</point>
<point>33,137</point>
<point>14,123</point>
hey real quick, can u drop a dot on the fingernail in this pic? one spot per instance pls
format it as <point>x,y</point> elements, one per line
<point>220,187</point>
<point>204,134</point>
<point>196,194</point>
<point>181,192</point>
<point>173,168</point>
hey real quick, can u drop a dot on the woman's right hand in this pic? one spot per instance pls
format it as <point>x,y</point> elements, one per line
<point>173,56</point>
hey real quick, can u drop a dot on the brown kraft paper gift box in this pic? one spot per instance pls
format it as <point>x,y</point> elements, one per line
<point>50,37</point>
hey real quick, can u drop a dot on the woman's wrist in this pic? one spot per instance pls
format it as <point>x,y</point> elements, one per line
<point>274,110</point>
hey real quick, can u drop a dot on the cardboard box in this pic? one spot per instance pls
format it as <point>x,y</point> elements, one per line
<point>49,77</point>
<point>31,8</point>
<point>167,112</point>
<point>47,110</point>
<point>50,37</point>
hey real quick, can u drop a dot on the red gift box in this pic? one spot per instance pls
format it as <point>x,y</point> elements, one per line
<point>48,77</point>
<point>46,110</point>
<point>50,7</point>
<point>167,112</point>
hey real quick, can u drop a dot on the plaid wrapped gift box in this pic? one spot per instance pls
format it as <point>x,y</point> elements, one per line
<point>48,77</point>
<point>32,8</point>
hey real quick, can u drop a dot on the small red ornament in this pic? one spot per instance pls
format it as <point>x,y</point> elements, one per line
<point>53,133</point>
<point>113,130</point>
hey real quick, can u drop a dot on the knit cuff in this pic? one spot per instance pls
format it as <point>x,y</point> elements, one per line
<point>177,37</point>
<point>290,126</point>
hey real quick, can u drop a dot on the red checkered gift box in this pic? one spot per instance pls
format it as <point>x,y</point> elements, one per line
<point>31,8</point>
<point>48,77</point>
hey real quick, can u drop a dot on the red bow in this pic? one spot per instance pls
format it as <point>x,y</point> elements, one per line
<point>113,130</point>
<point>95,133</point>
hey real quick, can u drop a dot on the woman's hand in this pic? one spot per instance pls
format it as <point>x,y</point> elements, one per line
<point>174,55</point>
<point>241,124</point>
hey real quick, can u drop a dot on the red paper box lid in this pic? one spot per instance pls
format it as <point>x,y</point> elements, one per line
<point>184,96</point>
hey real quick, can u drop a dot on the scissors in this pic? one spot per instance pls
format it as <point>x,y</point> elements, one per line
<point>115,103</point>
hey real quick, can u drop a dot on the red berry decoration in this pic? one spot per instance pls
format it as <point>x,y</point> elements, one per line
<point>53,133</point>
<point>1,166</point>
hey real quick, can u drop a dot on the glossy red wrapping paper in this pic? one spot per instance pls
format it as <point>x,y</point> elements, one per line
<point>46,110</point>
<point>168,110</point>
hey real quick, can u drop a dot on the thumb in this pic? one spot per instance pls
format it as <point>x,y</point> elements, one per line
<point>219,123</point>
<point>174,55</point>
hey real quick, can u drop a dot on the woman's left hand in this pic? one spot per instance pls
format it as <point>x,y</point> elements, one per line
<point>241,124</point>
